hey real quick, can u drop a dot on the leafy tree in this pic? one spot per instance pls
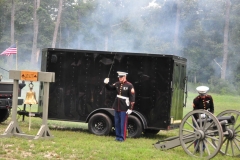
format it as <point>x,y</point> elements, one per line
<point>193,29</point>
<point>202,38</point>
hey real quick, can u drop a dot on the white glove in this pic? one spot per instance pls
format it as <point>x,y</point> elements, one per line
<point>129,111</point>
<point>203,115</point>
<point>106,80</point>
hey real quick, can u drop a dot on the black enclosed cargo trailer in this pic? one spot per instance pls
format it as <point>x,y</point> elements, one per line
<point>78,93</point>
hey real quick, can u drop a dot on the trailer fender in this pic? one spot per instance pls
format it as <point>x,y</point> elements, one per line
<point>107,111</point>
<point>136,124</point>
<point>141,118</point>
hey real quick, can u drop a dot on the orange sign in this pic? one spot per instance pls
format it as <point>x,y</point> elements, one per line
<point>29,76</point>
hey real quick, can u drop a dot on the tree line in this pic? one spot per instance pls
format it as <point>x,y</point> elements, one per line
<point>205,32</point>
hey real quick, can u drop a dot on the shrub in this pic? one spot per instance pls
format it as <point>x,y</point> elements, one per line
<point>218,86</point>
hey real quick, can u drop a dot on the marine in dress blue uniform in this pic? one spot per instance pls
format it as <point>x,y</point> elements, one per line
<point>202,101</point>
<point>123,104</point>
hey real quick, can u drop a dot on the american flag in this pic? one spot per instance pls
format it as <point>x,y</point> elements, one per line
<point>10,50</point>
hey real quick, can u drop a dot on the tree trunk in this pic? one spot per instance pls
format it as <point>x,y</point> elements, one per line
<point>225,43</point>
<point>195,79</point>
<point>35,32</point>
<point>57,24</point>
<point>177,26</point>
<point>60,37</point>
<point>10,59</point>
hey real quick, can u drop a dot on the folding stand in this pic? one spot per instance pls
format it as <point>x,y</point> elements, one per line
<point>13,128</point>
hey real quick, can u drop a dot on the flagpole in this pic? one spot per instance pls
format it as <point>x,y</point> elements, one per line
<point>16,55</point>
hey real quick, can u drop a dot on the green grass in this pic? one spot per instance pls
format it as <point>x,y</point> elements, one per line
<point>78,143</point>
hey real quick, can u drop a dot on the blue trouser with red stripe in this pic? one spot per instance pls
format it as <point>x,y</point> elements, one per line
<point>120,119</point>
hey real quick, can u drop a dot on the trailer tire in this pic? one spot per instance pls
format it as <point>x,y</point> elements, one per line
<point>100,124</point>
<point>4,114</point>
<point>134,127</point>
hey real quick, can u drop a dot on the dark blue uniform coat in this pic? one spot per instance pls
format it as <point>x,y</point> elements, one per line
<point>125,89</point>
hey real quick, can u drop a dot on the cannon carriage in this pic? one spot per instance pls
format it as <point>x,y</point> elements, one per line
<point>207,135</point>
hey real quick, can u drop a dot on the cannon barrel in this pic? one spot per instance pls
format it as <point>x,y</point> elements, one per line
<point>230,119</point>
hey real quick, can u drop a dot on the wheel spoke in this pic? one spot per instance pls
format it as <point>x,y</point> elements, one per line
<point>213,138</point>
<point>224,140</point>
<point>195,122</point>
<point>188,136</point>
<point>232,148</point>
<point>191,125</point>
<point>237,127</point>
<point>205,122</point>
<point>200,120</point>
<point>237,139</point>
<point>210,132</point>
<point>195,149</point>
<point>191,144</point>
<point>201,148</point>
<point>236,144</point>
<point>211,144</point>
<point>209,126</point>
<point>227,145</point>
<point>189,131</point>
<point>206,146</point>
<point>197,144</point>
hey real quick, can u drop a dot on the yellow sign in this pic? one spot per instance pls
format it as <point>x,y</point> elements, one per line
<point>29,76</point>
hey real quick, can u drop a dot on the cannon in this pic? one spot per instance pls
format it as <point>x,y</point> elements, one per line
<point>208,135</point>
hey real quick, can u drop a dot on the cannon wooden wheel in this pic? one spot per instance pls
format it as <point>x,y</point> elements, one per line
<point>196,137</point>
<point>231,140</point>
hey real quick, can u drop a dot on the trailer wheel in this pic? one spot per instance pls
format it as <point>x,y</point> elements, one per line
<point>134,127</point>
<point>4,114</point>
<point>100,124</point>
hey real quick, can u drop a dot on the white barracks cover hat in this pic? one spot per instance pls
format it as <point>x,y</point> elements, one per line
<point>120,74</point>
<point>202,89</point>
